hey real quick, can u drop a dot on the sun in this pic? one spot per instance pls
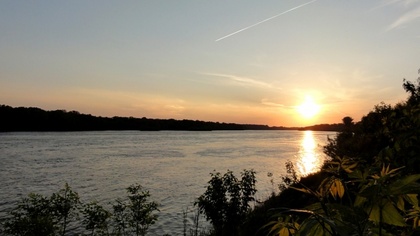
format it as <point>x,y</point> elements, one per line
<point>308,109</point>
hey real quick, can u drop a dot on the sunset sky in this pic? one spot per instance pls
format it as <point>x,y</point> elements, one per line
<point>241,61</point>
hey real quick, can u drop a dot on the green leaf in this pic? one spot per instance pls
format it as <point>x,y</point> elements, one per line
<point>359,175</point>
<point>314,208</point>
<point>390,214</point>
<point>375,214</point>
<point>304,190</point>
<point>277,226</point>
<point>359,201</point>
<point>370,191</point>
<point>412,199</point>
<point>401,203</point>
<point>405,185</point>
<point>311,226</point>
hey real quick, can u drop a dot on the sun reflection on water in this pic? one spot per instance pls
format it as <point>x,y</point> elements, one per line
<point>309,160</point>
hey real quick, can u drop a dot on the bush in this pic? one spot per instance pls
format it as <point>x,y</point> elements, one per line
<point>39,215</point>
<point>96,218</point>
<point>226,201</point>
<point>135,213</point>
<point>32,216</point>
<point>64,205</point>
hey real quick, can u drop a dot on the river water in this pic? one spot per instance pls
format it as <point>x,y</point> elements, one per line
<point>173,165</point>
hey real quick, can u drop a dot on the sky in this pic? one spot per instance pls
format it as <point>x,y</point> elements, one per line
<point>240,61</point>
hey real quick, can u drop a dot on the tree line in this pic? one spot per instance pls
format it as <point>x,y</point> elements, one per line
<point>36,119</point>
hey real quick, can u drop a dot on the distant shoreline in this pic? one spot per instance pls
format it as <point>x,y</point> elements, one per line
<point>32,119</point>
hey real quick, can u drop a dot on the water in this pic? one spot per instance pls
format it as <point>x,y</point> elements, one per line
<point>173,165</point>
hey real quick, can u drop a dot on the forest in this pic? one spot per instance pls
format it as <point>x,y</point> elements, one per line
<point>36,119</point>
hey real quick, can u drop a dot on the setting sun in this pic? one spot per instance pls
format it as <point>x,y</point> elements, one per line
<point>308,108</point>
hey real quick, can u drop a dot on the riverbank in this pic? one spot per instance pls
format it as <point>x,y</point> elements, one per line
<point>36,119</point>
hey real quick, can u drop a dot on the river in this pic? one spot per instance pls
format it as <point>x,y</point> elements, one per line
<point>173,165</point>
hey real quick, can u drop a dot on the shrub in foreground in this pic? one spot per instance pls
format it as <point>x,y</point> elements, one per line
<point>226,201</point>
<point>39,215</point>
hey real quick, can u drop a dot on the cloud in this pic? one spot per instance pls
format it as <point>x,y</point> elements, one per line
<point>412,12</point>
<point>241,80</point>
<point>362,76</point>
<point>404,3</point>
<point>269,103</point>
<point>175,109</point>
<point>405,19</point>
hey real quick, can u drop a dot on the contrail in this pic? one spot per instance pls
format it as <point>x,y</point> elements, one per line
<point>265,20</point>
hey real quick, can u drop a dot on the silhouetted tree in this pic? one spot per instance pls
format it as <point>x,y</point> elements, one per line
<point>226,201</point>
<point>348,121</point>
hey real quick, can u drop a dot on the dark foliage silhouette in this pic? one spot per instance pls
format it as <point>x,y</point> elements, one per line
<point>40,215</point>
<point>35,119</point>
<point>371,184</point>
<point>226,201</point>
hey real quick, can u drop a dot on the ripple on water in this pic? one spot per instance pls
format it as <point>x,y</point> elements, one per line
<point>173,166</point>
